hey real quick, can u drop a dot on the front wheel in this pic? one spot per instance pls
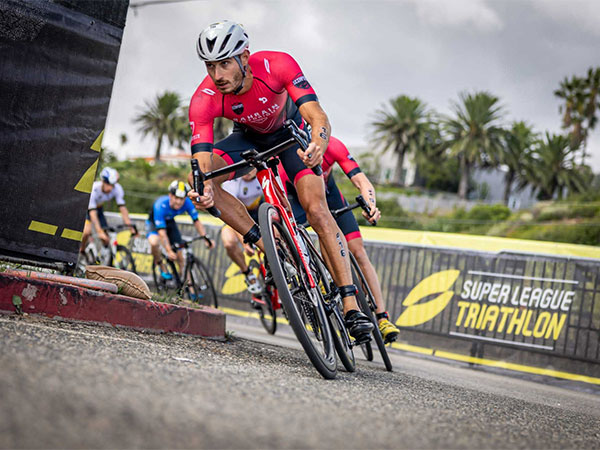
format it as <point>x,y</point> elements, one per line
<point>199,287</point>
<point>123,259</point>
<point>302,304</point>
<point>339,332</point>
<point>165,276</point>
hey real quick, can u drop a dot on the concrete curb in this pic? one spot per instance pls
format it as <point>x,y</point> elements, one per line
<point>58,299</point>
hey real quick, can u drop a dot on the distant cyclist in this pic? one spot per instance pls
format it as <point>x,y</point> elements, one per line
<point>104,191</point>
<point>247,190</point>
<point>259,92</point>
<point>338,153</point>
<point>161,228</point>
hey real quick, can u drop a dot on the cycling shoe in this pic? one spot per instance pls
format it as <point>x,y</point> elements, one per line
<point>359,326</point>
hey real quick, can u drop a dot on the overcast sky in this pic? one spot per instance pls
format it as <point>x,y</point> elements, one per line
<point>358,54</point>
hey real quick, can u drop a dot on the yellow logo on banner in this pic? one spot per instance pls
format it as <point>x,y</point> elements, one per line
<point>234,279</point>
<point>418,313</point>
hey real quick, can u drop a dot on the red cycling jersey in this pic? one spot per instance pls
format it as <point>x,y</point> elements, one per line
<point>278,89</point>
<point>338,153</point>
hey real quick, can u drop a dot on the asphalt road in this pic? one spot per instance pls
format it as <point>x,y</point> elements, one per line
<point>65,385</point>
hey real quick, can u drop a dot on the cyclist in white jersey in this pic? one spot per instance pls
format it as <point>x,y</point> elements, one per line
<point>104,191</point>
<point>246,189</point>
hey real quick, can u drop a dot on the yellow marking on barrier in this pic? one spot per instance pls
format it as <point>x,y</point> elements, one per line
<point>517,367</point>
<point>87,180</point>
<point>248,314</point>
<point>72,234</point>
<point>412,348</point>
<point>97,145</point>
<point>42,227</point>
<point>480,243</point>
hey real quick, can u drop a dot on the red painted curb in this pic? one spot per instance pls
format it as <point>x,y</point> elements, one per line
<point>54,299</point>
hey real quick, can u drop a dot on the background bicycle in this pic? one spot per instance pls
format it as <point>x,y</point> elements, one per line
<point>193,283</point>
<point>114,254</point>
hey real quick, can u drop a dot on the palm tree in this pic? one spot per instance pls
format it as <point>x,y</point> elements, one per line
<point>553,167</point>
<point>403,127</point>
<point>473,134</point>
<point>161,119</point>
<point>580,96</point>
<point>515,155</point>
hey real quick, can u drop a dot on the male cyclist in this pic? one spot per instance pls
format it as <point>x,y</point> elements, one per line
<point>338,153</point>
<point>259,92</point>
<point>104,191</point>
<point>161,228</point>
<point>247,190</point>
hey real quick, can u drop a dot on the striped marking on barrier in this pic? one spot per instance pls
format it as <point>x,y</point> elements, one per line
<point>455,356</point>
<point>42,227</point>
<point>72,234</point>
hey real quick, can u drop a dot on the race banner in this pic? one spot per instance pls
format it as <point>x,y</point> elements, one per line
<point>56,75</point>
<point>538,303</point>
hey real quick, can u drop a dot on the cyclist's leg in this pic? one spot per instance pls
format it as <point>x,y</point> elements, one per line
<point>233,212</point>
<point>231,241</point>
<point>87,232</point>
<point>175,238</point>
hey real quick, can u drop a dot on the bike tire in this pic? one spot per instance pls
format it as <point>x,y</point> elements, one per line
<point>123,259</point>
<point>161,285</point>
<point>366,301</point>
<point>339,332</point>
<point>267,315</point>
<point>204,289</point>
<point>307,318</point>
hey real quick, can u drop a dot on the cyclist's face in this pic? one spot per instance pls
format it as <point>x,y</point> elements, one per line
<point>175,202</point>
<point>226,74</point>
<point>107,188</point>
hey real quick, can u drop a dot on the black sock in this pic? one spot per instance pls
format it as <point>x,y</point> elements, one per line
<point>247,271</point>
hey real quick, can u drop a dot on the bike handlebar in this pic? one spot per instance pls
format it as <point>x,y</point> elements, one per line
<point>187,242</point>
<point>360,201</point>
<point>121,227</point>
<point>252,158</point>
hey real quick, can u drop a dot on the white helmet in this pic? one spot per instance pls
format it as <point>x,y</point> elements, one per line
<point>109,175</point>
<point>222,40</point>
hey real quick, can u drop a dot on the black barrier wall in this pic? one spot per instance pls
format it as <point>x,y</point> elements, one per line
<point>57,67</point>
<point>541,304</point>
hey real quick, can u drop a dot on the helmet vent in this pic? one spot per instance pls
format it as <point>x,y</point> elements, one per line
<point>224,44</point>
<point>210,43</point>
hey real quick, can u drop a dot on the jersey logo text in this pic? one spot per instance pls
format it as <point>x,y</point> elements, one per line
<point>301,82</point>
<point>263,100</point>
<point>208,91</point>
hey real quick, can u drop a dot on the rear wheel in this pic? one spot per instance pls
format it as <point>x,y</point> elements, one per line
<point>267,314</point>
<point>199,287</point>
<point>366,301</point>
<point>303,305</point>
<point>123,259</point>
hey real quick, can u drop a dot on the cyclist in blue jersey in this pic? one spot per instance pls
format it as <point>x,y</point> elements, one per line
<point>162,229</point>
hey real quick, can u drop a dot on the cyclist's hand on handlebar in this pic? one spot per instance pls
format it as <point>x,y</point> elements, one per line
<point>104,237</point>
<point>171,255</point>
<point>134,230</point>
<point>312,156</point>
<point>249,249</point>
<point>204,201</point>
<point>375,215</point>
<point>208,242</point>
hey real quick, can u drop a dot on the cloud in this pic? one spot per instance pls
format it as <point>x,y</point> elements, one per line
<point>458,13</point>
<point>582,13</point>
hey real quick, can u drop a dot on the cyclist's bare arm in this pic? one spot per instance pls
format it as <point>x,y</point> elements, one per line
<point>199,226</point>
<point>166,244</point>
<point>125,215</point>
<point>362,183</point>
<point>96,222</point>
<point>321,130</point>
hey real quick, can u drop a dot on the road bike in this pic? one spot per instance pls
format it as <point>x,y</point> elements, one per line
<point>113,254</point>
<point>364,296</point>
<point>289,266</point>
<point>194,283</point>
